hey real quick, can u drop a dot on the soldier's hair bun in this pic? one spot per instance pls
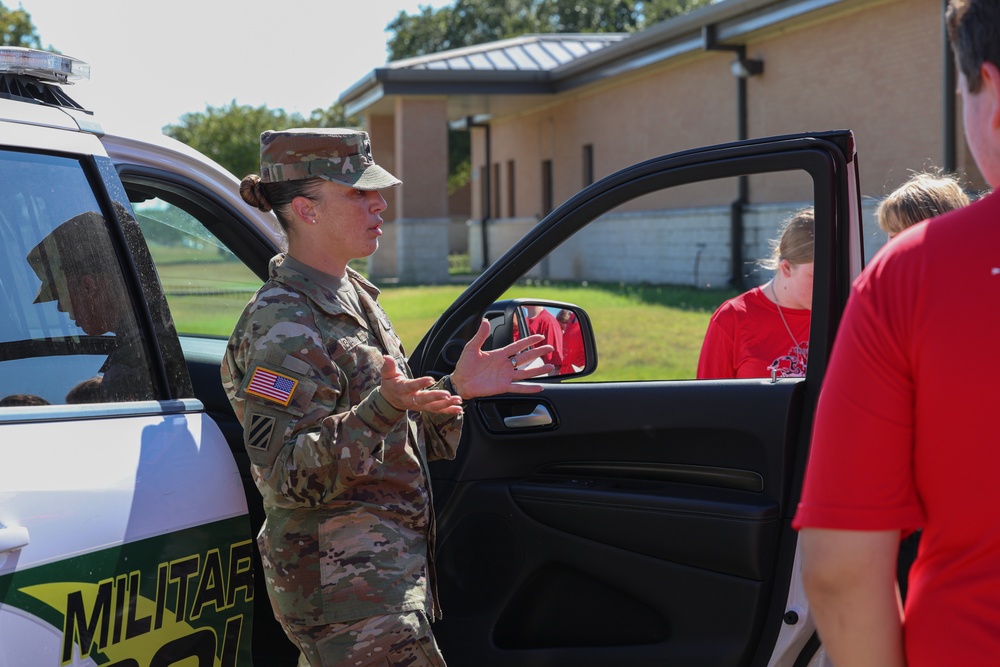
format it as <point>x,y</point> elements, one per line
<point>252,191</point>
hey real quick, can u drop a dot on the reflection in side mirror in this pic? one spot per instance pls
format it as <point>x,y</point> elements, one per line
<point>565,326</point>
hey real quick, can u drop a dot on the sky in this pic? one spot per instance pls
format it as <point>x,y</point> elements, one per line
<point>152,62</point>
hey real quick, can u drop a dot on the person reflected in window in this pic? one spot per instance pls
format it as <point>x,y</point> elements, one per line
<point>78,268</point>
<point>88,391</point>
<point>574,357</point>
<point>922,197</point>
<point>21,400</point>
<point>765,332</point>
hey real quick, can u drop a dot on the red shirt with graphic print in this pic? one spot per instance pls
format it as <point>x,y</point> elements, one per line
<point>746,338</point>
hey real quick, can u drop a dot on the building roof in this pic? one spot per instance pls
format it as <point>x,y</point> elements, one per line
<point>509,75</point>
<point>529,53</point>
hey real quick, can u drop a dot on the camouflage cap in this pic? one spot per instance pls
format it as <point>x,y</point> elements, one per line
<point>63,254</point>
<point>335,154</point>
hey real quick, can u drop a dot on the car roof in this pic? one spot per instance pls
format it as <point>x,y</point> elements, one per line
<point>164,153</point>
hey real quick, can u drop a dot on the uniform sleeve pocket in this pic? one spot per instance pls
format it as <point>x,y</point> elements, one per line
<point>275,397</point>
<point>277,387</point>
<point>264,433</point>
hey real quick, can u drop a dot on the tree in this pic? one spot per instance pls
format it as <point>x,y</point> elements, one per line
<point>16,28</point>
<point>230,135</point>
<point>613,15</point>
<point>471,22</point>
<point>657,11</point>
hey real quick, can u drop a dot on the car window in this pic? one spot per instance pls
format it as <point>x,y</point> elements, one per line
<point>206,285</point>
<point>68,330</point>
<point>651,273</point>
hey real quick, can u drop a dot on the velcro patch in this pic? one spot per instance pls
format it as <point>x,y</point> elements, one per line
<point>259,432</point>
<point>272,386</point>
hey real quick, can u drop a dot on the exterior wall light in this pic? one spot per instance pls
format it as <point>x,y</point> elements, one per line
<point>743,68</point>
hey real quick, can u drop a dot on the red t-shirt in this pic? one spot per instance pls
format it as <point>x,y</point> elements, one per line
<point>906,436</point>
<point>545,323</point>
<point>746,338</point>
<point>574,357</point>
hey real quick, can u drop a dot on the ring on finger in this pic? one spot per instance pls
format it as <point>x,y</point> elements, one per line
<point>513,360</point>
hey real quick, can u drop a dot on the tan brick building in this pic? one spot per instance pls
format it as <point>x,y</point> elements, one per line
<point>549,113</point>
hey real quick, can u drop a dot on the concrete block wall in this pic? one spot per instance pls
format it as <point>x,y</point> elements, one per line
<point>874,237</point>
<point>382,264</point>
<point>675,247</point>
<point>422,250</point>
<point>458,235</point>
<point>502,234</point>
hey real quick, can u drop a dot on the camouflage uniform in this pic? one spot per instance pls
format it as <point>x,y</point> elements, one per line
<point>349,532</point>
<point>344,156</point>
<point>402,640</point>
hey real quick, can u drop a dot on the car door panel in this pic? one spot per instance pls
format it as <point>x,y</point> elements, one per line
<point>639,523</point>
<point>589,522</point>
<point>160,486</point>
<point>731,535</point>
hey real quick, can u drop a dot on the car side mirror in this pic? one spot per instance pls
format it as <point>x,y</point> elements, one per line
<point>565,326</point>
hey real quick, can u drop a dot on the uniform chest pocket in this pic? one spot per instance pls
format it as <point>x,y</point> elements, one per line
<point>359,357</point>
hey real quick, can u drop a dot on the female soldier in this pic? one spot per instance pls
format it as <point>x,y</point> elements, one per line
<point>339,433</point>
<point>765,332</point>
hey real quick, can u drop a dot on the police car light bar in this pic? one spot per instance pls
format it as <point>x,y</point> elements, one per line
<point>42,64</point>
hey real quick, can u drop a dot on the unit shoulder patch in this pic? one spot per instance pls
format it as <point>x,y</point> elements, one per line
<point>259,431</point>
<point>264,431</point>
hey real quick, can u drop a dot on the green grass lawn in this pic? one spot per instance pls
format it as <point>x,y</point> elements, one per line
<point>644,332</point>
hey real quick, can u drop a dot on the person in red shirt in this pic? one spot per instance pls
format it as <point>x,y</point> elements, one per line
<point>574,356</point>
<point>905,436</point>
<point>765,332</point>
<point>541,321</point>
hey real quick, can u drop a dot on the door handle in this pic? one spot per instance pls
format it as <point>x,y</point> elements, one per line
<point>540,416</point>
<point>13,538</point>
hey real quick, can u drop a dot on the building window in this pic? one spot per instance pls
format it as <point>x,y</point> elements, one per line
<point>510,189</point>
<point>484,191</point>
<point>588,164</point>
<point>496,189</point>
<point>546,187</point>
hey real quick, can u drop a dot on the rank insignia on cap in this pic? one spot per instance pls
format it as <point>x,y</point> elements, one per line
<point>272,386</point>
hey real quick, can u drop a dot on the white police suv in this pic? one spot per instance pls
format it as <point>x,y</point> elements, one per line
<point>125,537</point>
<point>640,521</point>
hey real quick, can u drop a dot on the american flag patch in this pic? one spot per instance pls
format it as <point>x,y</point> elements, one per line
<point>272,386</point>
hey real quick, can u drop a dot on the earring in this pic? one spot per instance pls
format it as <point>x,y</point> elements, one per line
<point>313,221</point>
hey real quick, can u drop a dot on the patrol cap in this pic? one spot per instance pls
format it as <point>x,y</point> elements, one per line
<point>63,253</point>
<point>334,154</point>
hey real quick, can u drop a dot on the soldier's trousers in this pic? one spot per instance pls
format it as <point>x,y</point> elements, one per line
<point>394,640</point>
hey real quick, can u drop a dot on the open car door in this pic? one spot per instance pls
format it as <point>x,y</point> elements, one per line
<point>641,521</point>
